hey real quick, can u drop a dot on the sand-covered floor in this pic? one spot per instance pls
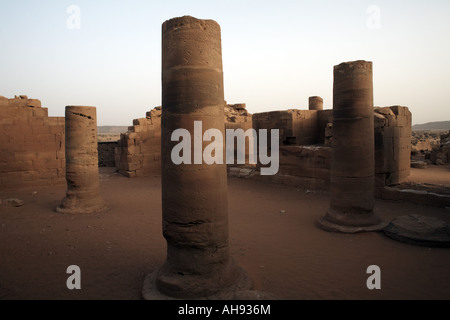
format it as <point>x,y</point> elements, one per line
<point>273,236</point>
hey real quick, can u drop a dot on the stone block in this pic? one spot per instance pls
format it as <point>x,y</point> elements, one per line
<point>40,112</point>
<point>438,200</point>
<point>134,149</point>
<point>415,196</point>
<point>39,129</point>
<point>129,174</point>
<point>132,166</point>
<point>389,193</point>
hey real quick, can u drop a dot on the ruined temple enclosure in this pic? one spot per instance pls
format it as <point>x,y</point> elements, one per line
<point>141,226</point>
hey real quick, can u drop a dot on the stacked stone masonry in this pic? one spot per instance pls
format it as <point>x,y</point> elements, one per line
<point>139,150</point>
<point>392,146</point>
<point>305,144</point>
<point>31,144</point>
<point>297,127</point>
<point>237,117</point>
<point>310,164</point>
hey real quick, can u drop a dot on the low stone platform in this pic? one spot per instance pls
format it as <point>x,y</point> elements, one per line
<point>419,230</point>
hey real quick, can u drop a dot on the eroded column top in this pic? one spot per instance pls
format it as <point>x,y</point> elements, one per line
<point>352,66</point>
<point>83,111</point>
<point>189,22</point>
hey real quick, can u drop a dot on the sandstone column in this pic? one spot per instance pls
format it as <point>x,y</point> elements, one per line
<point>194,196</point>
<point>83,195</point>
<point>315,103</point>
<point>353,161</point>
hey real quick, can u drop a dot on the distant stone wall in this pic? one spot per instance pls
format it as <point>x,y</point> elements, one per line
<point>139,150</point>
<point>106,153</point>
<point>307,167</point>
<point>325,118</point>
<point>441,154</point>
<point>31,144</point>
<point>237,117</point>
<point>392,145</point>
<point>296,127</point>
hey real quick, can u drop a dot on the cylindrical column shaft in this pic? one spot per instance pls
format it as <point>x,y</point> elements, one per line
<point>83,192</point>
<point>194,196</point>
<point>353,161</point>
<point>315,103</point>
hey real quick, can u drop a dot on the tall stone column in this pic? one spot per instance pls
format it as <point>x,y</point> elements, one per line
<point>194,196</point>
<point>315,103</point>
<point>353,161</point>
<point>83,192</point>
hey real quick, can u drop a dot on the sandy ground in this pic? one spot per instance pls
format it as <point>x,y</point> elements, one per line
<point>283,251</point>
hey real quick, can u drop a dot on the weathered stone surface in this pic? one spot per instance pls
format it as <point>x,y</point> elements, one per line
<point>352,160</point>
<point>419,230</point>
<point>83,191</point>
<point>194,196</point>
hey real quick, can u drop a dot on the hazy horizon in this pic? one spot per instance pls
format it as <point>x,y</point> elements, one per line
<point>275,54</point>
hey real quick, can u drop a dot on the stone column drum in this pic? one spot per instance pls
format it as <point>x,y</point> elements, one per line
<point>194,196</point>
<point>83,193</point>
<point>353,161</point>
<point>315,103</point>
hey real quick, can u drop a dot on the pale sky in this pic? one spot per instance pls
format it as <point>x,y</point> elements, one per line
<point>275,53</point>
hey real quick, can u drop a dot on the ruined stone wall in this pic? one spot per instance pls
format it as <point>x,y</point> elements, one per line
<point>31,144</point>
<point>139,150</point>
<point>296,127</point>
<point>441,154</point>
<point>281,120</point>
<point>106,153</point>
<point>310,165</point>
<point>304,166</point>
<point>325,117</point>
<point>392,145</point>
<point>237,117</point>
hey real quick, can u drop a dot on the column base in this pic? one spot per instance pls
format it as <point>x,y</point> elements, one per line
<point>326,225</point>
<point>79,210</point>
<point>71,206</point>
<point>350,221</point>
<point>240,290</point>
